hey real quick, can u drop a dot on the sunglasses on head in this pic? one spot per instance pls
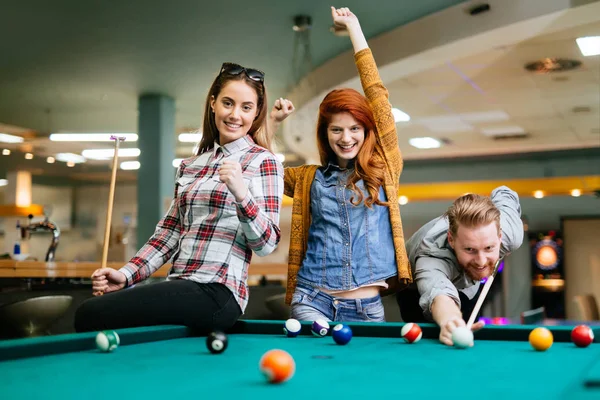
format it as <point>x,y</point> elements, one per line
<point>236,69</point>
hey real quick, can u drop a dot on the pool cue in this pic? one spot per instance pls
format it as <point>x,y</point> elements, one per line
<point>111,198</point>
<point>482,296</point>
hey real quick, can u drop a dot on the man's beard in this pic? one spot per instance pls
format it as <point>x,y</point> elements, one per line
<point>479,274</point>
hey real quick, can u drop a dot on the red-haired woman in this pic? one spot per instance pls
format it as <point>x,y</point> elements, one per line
<point>347,245</point>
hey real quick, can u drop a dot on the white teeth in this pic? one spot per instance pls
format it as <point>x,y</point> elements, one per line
<point>346,147</point>
<point>235,126</point>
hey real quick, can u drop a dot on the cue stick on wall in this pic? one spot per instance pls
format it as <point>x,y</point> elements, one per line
<point>483,295</point>
<point>111,198</point>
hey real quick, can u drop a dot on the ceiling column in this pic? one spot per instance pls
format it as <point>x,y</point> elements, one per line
<point>156,175</point>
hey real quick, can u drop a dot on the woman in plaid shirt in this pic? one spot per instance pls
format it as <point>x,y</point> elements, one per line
<point>226,205</point>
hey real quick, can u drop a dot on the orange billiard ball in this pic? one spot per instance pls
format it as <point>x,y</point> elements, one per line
<point>541,339</point>
<point>277,366</point>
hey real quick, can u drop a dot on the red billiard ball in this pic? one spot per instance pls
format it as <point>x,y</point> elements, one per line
<point>582,336</point>
<point>411,332</point>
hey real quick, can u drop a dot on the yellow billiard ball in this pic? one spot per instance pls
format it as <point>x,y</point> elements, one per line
<point>541,339</point>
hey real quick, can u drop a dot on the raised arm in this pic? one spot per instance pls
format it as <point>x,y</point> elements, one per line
<point>375,91</point>
<point>507,201</point>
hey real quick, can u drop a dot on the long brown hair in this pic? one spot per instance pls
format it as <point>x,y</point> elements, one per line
<point>366,167</point>
<point>258,131</point>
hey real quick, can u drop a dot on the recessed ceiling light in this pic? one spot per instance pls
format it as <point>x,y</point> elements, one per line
<point>425,143</point>
<point>91,137</point>
<point>575,192</point>
<point>399,115</point>
<point>70,157</point>
<point>190,137</point>
<point>402,200</point>
<point>502,130</point>
<point>177,162</point>
<point>589,45</point>
<point>130,165</point>
<point>485,116</point>
<point>6,138</point>
<point>105,154</point>
<point>3,182</point>
<point>5,152</point>
<point>50,160</point>
<point>538,194</point>
<point>28,156</point>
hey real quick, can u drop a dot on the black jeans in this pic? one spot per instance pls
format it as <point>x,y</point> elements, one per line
<point>410,310</point>
<point>204,307</point>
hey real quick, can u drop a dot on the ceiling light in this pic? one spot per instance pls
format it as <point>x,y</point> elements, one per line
<point>502,130</point>
<point>400,116</point>
<point>70,164</point>
<point>70,157</point>
<point>5,152</point>
<point>538,194</point>
<point>105,154</point>
<point>91,137</point>
<point>28,156</point>
<point>177,162</point>
<point>589,45</point>
<point>50,160</point>
<point>280,157</point>
<point>402,200</point>
<point>575,192</point>
<point>485,116</point>
<point>6,138</point>
<point>3,182</point>
<point>190,137</point>
<point>130,165</point>
<point>425,143</point>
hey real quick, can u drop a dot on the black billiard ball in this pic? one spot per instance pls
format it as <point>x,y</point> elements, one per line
<point>216,342</point>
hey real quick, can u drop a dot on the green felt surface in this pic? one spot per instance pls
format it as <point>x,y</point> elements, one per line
<point>368,367</point>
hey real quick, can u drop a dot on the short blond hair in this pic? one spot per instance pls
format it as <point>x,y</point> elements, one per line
<point>472,210</point>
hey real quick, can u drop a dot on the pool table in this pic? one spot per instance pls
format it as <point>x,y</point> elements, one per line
<point>171,362</point>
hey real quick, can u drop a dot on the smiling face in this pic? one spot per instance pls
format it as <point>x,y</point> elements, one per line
<point>345,136</point>
<point>235,109</point>
<point>477,249</point>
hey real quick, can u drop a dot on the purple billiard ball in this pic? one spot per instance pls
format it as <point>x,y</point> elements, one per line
<point>320,328</point>
<point>341,334</point>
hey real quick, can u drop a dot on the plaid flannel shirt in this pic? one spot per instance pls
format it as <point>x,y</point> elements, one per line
<point>208,234</point>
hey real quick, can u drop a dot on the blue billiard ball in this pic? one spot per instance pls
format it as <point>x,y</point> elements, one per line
<point>341,334</point>
<point>291,328</point>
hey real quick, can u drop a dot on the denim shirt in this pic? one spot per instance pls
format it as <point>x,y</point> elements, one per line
<point>349,246</point>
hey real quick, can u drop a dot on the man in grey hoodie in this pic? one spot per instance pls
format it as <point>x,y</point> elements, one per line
<point>451,254</point>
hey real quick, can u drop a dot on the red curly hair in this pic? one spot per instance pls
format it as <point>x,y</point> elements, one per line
<point>366,167</point>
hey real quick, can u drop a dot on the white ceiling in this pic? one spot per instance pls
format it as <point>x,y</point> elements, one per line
<point>459,99</point>
<point>454,100</point>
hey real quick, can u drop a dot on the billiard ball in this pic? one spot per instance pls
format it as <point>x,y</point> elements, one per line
<point>541,339</point>
<point>107,341</point>
<point>277,366</point>
<point>582,336</point>
<point>342,334</point>
<point>411,332</point>
<point>216,342</point>
<point>291,328</point>
<point>462,337</point>
<point>320,328</point>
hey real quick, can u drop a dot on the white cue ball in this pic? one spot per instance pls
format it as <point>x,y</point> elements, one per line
<point>462,337</point>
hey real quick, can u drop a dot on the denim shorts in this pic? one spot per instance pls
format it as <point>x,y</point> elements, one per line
<point>309,304</point>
